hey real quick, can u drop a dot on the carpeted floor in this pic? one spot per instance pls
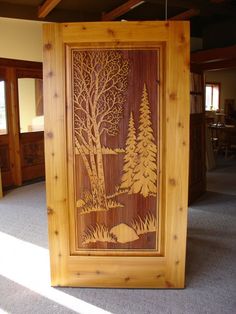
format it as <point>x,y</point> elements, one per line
<point>211,260</point>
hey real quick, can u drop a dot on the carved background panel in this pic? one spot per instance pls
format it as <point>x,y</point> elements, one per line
<point>116,153</point>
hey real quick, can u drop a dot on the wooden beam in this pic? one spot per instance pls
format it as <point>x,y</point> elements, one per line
<point>47,7</point>
<point>217,1</point>
<point>185,15</point>
<point>214,55</point>
<point>184,4</point>
<point>218,65</point>
<point>121,10</point>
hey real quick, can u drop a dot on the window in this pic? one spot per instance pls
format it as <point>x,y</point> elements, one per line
<point>212,93</point>
<point>3,115</point>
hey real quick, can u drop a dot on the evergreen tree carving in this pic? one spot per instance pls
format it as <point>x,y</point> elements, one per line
<point>130,158</point>
<point>145,171</point>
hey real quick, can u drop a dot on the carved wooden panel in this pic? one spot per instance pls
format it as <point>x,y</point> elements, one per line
<point>32,153</point>
<point>115,148</point>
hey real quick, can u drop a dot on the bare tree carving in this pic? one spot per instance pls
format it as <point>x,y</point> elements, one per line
<point>99,88</point>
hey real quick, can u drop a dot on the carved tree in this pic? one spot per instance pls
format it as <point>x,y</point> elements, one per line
<point>130,159</point>
<point>99,88</point>
<point>145,172</point>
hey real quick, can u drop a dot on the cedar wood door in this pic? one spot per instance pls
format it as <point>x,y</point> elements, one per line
<point>116,100</point>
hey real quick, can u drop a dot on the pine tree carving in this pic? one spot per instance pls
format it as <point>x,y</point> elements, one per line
<point>145,171</point>
<point>130,158</point>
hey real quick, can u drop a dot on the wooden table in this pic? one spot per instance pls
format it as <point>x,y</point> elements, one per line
<point>221,136</point>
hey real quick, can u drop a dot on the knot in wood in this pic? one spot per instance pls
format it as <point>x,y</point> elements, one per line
<point>48,46</point>
<point>172,181</point>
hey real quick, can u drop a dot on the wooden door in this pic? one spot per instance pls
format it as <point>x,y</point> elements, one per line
<point>21,144</point>
<point>116,145</point>
<point>197,161</point>
<point>7,155</point>
<point>31,136</point>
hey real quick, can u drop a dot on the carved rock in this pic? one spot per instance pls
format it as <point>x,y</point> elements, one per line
<point>124,233</point>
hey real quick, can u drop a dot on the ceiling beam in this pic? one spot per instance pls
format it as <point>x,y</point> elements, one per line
<point>217,1</point>
<point>47,7</point>
<point>185,15</point>
<point>121,10</point>
<point>219,65</point>
<point>185,4</point>
<point>214,55</point>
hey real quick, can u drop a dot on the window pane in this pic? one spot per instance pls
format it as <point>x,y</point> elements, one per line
<point>215,97</point>
<point>30,105</point>
<point>208,98</point>
<point>3,116</point>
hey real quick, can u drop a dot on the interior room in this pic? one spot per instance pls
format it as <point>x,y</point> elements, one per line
<point>76,241</point>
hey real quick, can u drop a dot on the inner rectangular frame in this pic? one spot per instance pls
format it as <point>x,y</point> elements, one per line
<point>160,234</point>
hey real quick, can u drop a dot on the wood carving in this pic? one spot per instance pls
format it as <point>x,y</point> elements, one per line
<point>130,159</point>
<point>98,233</point>
<point>121,233</point>
<point>100,101</point>
<point>140,167</point>
<point>145,225</point>
<point>100,82</point>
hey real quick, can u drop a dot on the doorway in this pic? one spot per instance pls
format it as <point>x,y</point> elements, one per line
<point>21,122</point>
<point>221,123</point>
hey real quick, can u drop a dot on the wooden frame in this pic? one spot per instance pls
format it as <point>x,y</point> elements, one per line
<point>167,270</point>
<point>12,70</point>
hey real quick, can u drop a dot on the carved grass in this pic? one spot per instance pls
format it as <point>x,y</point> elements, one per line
<point>145,225</point>
<point>98,233</point>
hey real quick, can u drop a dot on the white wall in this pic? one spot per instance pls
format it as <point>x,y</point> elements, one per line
<point>21,39</point>
<point>27,107</point>
<point>227,78</point>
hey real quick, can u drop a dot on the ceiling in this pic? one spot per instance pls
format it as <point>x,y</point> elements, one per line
<point>201,13</point>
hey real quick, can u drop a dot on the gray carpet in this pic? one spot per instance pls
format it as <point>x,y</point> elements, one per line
<point>211,257</point>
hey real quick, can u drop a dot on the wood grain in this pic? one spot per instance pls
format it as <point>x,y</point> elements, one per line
<point>118,269</point>
<point>177,156</point>
<point>55,152</point>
